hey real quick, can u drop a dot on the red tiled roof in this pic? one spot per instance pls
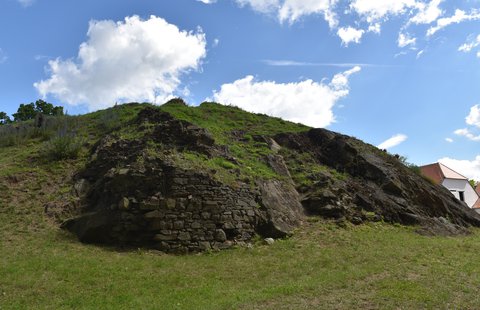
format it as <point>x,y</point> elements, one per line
<point>477,188</point>
<point>439,172</point>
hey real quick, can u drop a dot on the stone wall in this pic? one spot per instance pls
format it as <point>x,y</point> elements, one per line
<point>189,213</point>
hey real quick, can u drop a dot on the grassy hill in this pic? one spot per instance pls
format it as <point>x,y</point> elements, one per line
<point>375,265</point>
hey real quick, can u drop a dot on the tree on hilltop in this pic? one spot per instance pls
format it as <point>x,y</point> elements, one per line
<point>29,111</point>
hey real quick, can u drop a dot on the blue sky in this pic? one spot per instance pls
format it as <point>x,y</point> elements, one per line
<point>403,74</point>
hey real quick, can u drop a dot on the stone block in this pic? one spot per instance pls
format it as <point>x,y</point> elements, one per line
<point>178,225</point>
<point>153,214</point>
<point>204,246</point>
<point>228,225</point>
<point>171,203</point>
<point>124,203</point>
<point>220,235</point>
<point>162,237</point>
<point>183,236</point>
<point>196,225</point>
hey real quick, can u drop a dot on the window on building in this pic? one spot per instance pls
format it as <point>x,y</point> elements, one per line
<point>461,196</point>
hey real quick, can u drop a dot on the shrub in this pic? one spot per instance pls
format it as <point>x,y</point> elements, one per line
<point>65,146</point>
<point>109,120</point>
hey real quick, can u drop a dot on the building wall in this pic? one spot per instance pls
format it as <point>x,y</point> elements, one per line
<point>455,186</point>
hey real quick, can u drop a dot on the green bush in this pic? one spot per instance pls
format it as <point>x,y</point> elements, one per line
<point>65,146</point>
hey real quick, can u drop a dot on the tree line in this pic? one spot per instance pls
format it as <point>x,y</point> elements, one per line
<point>30,110</point>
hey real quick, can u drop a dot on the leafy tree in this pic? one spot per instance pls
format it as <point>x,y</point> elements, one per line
<point>4,118</point>
<point>28,111</point>
<point>473,183</point>
<point>44,107</point>
<point>25,112</point>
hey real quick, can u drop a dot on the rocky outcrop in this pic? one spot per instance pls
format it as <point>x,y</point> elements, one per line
<point>374,186</point>
<point>134,198</point>
<point>134,195</point>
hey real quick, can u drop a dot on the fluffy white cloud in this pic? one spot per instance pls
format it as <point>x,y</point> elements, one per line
<point>404,40</point>
<point>458,17</point>
<point>207,1</point>
<point>427,13</point>
<point>306,102</point>
<point>468,168</point>
<point>473,117</point>
<point>350,34</point>
<point>449,140</point>
<point>132,60</point>
<point>369,15</point>
<point>393,141</point>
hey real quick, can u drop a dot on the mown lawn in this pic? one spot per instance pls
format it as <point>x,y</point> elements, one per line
<point>322,266</point>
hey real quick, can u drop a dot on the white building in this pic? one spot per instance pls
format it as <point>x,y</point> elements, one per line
<point>453,181</point>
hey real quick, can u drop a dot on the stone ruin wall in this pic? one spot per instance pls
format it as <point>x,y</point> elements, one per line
<point>195,213</point>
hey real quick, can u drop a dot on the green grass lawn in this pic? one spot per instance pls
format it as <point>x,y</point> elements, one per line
<point>322,266</point>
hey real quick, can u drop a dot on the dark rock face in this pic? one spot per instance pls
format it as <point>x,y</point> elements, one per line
<point>378,186</point>
<point>176,133</point>
<point>157,204</point>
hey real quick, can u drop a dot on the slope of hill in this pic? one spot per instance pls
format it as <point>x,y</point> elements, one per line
<point>116,152</point>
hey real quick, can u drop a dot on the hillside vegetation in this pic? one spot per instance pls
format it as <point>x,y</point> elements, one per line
<point>376,265</point>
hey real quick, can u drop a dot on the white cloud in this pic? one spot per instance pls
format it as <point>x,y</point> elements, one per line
<point>207,1</point>
<point>393,141</point>
<point>216,42</point>
<point>449,140</point>
<point>468,168</point>
<point>292,10</point>
<point>3,56</point>
<point>350,34</point>
<point>465,132</point>
<point>26,3</point>
<point>473,117</point>
<point>375,28</point>
<point>374,10</point>
<point>404,40</point>
<point>469,45</point>
<point>428,13</point>
<point>132,60</point>
<point>262,6</point>
<point>306,102</point>
<point>458,17</point>
<point>340,80</point>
